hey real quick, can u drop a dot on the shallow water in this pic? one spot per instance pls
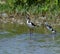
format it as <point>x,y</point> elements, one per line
<point>22,44</point>
<point>15,39</point>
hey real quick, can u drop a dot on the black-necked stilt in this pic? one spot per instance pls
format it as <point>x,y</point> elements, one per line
<point>31,25</point>
<point>49,27</point>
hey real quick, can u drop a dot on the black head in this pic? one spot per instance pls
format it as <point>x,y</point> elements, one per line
<point>28,18</point>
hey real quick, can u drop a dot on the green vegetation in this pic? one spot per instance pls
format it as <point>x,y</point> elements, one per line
<point>36,8</point>
<point>33,6</point>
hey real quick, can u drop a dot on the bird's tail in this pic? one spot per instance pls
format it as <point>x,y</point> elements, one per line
<point>37,25</point>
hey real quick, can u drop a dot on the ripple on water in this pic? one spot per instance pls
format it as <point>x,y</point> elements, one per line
<point>4,32</point>
<point>21,44</point>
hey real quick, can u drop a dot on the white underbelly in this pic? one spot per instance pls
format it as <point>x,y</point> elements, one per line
<point>30,25</point>
<point>49,28</point>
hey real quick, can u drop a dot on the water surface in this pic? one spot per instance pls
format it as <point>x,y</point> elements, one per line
<point>15,39</point>
<point>22,44</point>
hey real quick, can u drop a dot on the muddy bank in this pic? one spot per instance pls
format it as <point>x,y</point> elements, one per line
<point>21,18</point>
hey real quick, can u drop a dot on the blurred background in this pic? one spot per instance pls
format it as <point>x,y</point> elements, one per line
<point>15,34</point>
<point>13,14</point>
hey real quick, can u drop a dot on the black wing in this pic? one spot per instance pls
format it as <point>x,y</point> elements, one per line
<point>53,30</point>
<point>33,24</point>
<point>49,26</point>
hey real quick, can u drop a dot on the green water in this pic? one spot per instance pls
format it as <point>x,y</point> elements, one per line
<point>15,39</point>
